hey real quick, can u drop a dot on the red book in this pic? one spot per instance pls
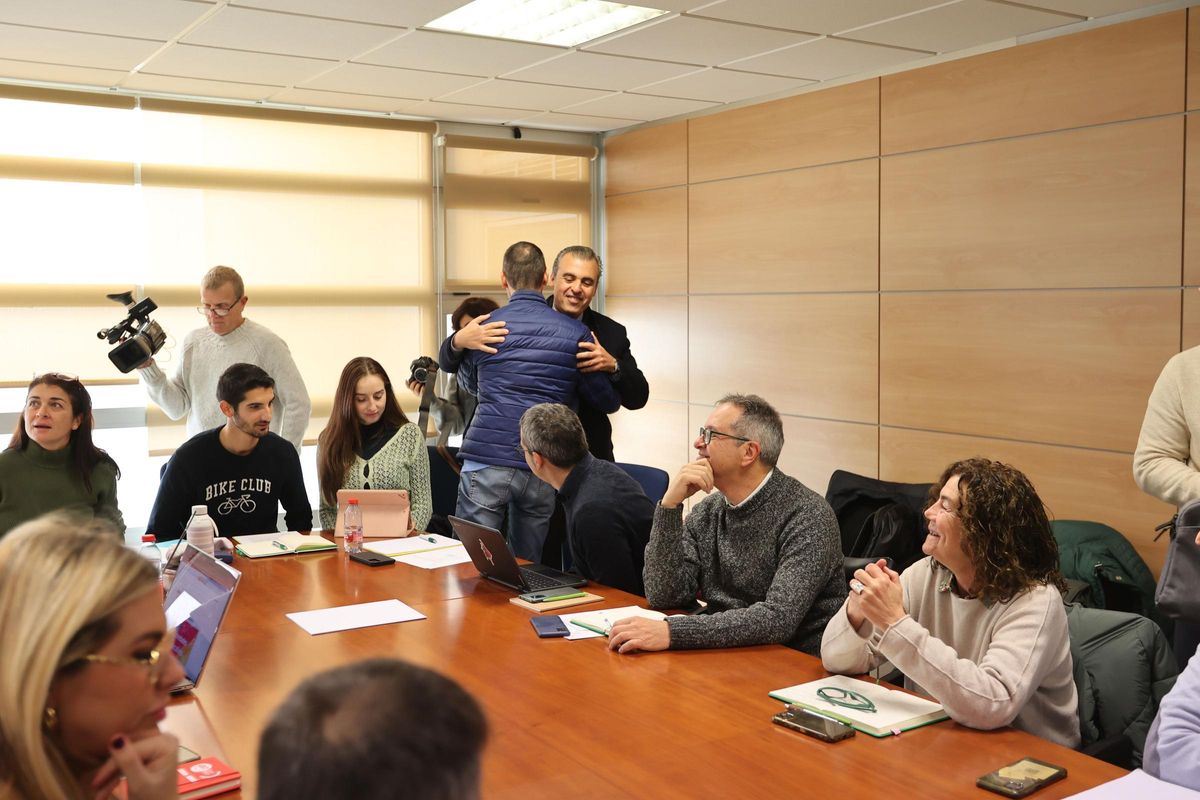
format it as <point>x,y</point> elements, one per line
<point>205,778</point>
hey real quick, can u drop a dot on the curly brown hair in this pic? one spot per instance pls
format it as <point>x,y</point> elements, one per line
<point>1006,531</point>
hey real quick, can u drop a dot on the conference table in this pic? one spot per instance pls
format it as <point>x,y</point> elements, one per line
<point>571,718</point>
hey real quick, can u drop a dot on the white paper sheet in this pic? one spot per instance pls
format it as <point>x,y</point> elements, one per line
<point>435,559</point>
<point>181,609</point>
<point>1136,784</point>
<point>411,544</point>
<point>359,615</point>
<point>604,620</point>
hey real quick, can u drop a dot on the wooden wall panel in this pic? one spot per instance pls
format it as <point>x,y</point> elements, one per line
<point>809,355</point>
<point>1191,202</point>
<point>1093,207</point>
<point>1190,336</point>
<point>814,229</point>
<point>1193,58</point>
<point>814,448</point>
<point>839,124</point>
<point>657,328</point>
<point>1126,71</point>
<point>657,436</point>
<point>650,158</point>
<point>1074,483</point>
<point>647,242</point>
<point>1062,367</point>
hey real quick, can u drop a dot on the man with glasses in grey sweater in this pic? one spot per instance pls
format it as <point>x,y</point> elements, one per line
<point>763,552</point>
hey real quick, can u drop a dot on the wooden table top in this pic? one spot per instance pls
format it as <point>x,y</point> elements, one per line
<point>572,718</point>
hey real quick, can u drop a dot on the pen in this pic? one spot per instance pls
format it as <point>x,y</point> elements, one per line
<point>591,628</point>
<point>279,544</point>
<point>563,597</point>
<point>430,539</point>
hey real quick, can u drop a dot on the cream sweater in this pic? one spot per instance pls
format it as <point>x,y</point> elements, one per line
<point>988,665</point>
<point>402,463</point>
<point>1164,464</point>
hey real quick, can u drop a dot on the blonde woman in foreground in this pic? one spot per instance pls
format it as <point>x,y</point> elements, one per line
<point>87,667</point>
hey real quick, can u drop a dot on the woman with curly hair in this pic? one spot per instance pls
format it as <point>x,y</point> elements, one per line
<point>979,625</point>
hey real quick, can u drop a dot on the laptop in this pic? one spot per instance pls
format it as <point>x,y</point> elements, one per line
<point>496,562</point>
<point>384,512</point>
<point>196,607</point>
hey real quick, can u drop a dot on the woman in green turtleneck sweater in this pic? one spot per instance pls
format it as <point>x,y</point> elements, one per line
<point>51,463</point>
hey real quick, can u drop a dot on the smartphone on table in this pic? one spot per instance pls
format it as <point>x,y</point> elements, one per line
<point>549,627</point>
<point>819,726</point>
<point>371,558</point>
<point>1021,778</point>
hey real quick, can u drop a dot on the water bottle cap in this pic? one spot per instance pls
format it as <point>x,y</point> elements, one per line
<point>200,509</point>
<point>148,537</point>
<point>353,501</point>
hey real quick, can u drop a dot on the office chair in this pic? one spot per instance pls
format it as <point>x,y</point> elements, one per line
<point>653,480</point>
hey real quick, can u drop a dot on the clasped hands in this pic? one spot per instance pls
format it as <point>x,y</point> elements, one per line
<point>479,334</point>
<point>876,596</point>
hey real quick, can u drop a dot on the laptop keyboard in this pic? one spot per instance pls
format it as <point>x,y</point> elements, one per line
<point>537,581</point>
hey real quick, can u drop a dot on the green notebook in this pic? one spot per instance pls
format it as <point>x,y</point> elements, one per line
<point>283,544</point>
<point>872,708</point>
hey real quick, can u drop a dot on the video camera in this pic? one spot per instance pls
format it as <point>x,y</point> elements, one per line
<point>137,337</point>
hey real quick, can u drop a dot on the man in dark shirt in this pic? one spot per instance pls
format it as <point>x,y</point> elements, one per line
<point>576,276</point>
<point>241,470</point>
<point>608,514</point>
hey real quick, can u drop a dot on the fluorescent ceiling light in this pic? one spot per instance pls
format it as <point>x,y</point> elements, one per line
<point>562,22</point>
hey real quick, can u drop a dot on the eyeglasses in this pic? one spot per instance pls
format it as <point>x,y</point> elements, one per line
<point>149,662</point>
<point>521,451</point>
<point>707,434</point>
<point>221,310</point>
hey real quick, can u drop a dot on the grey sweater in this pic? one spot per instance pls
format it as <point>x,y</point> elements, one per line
<point>770,570</point>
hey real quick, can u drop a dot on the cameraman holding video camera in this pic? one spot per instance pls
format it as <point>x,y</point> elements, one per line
<point>229,339</point>
<point>454,406</point>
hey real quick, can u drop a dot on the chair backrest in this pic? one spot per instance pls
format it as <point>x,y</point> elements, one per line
<point>654,481</point>
<point>443,481</point>
<point>1123,669</point>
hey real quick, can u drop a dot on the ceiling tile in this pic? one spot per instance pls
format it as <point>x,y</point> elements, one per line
<point>517,94</point>
<point>288,34</point>
<point>723,85</point>
<point>599,71</point>
<point>195,86</point>
<point>637,106</point>
<point>556,120</point>
<point>823,59</point>
<point>1093,8</point>
<point>458,112</point>
<point>691,40</point>
<point>145,19</point>
<point>389,82</point>
<point>960,25</point>
<point>452,52</point>
<point>57,73</point>
<point>74,49</point>
<point>827,16</point>
<point>215,63</point>
<point>409,13</point>
<point>355,102</point>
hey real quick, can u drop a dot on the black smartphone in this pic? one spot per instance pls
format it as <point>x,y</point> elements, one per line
<point>816,725</point>
<point>549,627</point>
<point>1021,778</point>
<point>547,595</point>
<point>371,558</point>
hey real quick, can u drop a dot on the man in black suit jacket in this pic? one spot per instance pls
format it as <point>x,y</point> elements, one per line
<point>575,276</point>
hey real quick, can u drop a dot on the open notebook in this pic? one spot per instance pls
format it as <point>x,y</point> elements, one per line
<point>262,545</point>
<point>872,708</point>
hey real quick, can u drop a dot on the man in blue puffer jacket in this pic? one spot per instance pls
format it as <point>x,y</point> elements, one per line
<point>534,361</point>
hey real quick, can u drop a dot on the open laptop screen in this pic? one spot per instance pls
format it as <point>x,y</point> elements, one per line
<point>195,607</point>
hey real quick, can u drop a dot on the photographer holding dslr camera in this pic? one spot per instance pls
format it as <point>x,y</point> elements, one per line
<point>454,405</point>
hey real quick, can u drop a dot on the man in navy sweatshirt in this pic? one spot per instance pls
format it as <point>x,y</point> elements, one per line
<point>240,470</point>
<point>533,361</point>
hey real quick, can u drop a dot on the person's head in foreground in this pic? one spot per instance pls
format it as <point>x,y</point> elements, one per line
<point>87,665</point>
<point>989,528</point>
<point>372,730</point>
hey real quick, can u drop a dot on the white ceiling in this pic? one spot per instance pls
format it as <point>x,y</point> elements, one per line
<point>374,56</point>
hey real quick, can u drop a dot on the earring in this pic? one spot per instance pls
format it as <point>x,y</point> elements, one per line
<point>50,718</point>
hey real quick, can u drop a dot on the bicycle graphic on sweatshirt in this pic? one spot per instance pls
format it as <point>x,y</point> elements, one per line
<point>243,504</point>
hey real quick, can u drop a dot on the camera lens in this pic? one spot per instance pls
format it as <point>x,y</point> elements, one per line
<point>420,374</point>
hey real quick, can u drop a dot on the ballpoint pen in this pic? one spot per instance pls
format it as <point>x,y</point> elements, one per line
<point>591,628</point>
<point>279,544</point>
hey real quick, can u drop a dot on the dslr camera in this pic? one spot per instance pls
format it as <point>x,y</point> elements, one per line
<point>420,369</point>
<point>136,337</point>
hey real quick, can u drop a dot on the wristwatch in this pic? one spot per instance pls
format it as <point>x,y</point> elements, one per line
<point>615,375</point>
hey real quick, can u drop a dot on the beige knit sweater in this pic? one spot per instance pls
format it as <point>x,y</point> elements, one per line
<point>1164,464</point>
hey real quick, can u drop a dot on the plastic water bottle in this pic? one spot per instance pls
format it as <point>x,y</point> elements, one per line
<point>352,528</point>
<point>201,529</point>
<point>149,551</point>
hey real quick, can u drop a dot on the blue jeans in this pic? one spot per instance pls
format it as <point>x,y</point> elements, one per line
<point>483,495</point>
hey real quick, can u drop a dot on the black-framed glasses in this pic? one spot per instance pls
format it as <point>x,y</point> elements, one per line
<point>707,434</point>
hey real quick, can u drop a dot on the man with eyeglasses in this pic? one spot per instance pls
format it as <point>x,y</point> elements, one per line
<point>229,339</point>
<point>763,552</point>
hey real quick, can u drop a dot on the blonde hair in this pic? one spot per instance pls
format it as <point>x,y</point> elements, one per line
<point>218,276</point>
<point>62,583</point>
